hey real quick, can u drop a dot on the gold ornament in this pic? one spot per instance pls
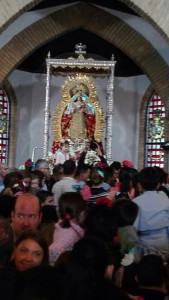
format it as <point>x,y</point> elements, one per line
<point>72,85</point>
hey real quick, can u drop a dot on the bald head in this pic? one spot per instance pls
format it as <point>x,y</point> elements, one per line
<point>3,170</point>
<point>26,213</point>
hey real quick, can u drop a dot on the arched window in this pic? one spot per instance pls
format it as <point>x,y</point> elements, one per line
<point>4,126</point>
<point>154,154</point>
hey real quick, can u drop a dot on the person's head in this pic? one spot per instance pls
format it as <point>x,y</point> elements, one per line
<point>82,173</point>
<point>6,242</point>
<point>58,172</point>
<point>49,214</point>
<point>26,213</point>
<point>151,272</point>
<point>100,223</point>
<point>69,168</point>
<point>45,197</point>
<point>125,179</point>
<point>64,146</point>
<point>35,182</point>
<point>3,170</point>
<point>71,207</point>
<point>125,212</point>
<point>6,206</point>
<point>38,174</point>
<point>149,179</point>
<point>108,176</point>
<point>93,146</point>
<point>89,259</point>
<point>43,166</point>
<point>116,166</point>
<point>162,175</point>
<point>30,250</point>
<point>26,178</point>
<point>12,178</point>
<point>96,176</point>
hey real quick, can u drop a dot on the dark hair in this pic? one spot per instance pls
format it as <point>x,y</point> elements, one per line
<point>49,214</point>
<point>149,178</point>
<point>90,256</point>
<point>108,174</point>
<point>82,169</point>
<point>100,223</point>
<point>6,205</point>
<point>36,236</point>
<point>42,195</point>
<point>116,165</point>
<point>125,179</point>
<point>69,167</point>
<point>151,271</point>
<point>86,269</point>
<point>93,145</point>
<point>125,212</point>
<point>25,173</point>
<point>39,175</point>
<point>58,169</point>
<point>6,242</point>
<point>39,282</point>
<point>12,178</point>
<point>162,175</point>
<point>70,206</point>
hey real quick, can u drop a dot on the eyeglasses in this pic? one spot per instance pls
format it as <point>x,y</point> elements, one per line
<point>47,168</point>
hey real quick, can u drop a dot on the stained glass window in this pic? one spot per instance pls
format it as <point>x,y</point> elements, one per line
<point>4,126</point>
<point>155,132</point>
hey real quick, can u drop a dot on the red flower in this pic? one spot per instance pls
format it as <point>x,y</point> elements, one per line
<point>27,163</point>
<point>116,239</point>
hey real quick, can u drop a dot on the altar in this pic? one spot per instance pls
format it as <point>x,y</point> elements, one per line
<point>79,116</point>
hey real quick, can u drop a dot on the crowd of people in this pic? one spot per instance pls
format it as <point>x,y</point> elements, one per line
<point>86,231</point>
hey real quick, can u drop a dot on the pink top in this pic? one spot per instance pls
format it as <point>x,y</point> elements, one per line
<point>64,239</point>
<point>116,188</point>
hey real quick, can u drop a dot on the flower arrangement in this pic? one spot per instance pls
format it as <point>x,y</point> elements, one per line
<point>91,157</point>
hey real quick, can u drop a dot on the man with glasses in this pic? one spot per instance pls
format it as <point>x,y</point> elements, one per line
<point>43,166</point>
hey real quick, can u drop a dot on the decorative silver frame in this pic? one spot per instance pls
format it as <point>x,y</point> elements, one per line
<point>90,65</point>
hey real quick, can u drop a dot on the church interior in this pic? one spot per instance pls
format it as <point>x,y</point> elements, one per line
<point>134,33</point>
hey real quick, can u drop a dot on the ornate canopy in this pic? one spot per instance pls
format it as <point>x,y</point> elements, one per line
<point>80,71</point>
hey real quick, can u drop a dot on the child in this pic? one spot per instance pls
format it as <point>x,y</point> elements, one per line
<point>68,230</point>
<point>62,153</point>
<point>35,182</point>
<point>152,222</point>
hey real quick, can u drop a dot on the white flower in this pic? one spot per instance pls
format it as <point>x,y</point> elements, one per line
<point>127,260</point>
<point>91,157</point>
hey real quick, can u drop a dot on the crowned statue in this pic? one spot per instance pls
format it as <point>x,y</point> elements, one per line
<point>78,120</point>
<point>78,116</point>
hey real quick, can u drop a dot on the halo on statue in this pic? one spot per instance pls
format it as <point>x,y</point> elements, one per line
<point>73,85</point>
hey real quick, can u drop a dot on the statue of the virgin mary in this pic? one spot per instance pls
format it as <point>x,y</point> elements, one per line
<point>78,120</point>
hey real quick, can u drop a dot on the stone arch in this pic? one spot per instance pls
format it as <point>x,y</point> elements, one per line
<point>104,24</point>
<point>11,9</point>
<point>12,125</point>
<point>155,12</point>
